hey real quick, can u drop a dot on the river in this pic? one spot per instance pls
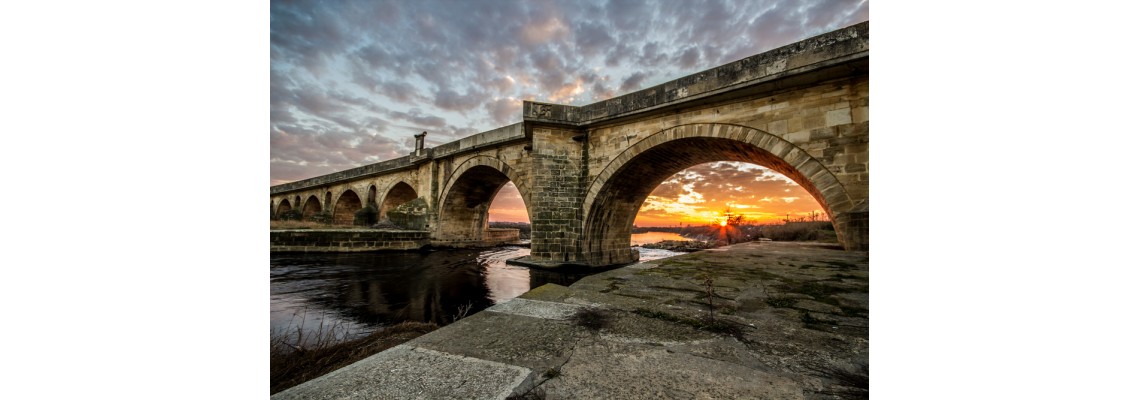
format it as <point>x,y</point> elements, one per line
<point>352,294</point>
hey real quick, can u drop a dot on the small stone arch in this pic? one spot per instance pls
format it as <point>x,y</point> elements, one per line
<point>494,163</point>
<point>617,192</point>
<point>399,193</point>
<point>467,195</point>
<point>371,195</point>
<point>328,201</point>
<point>311,208</point>
<point>346,207</point>
<point>283,207</point>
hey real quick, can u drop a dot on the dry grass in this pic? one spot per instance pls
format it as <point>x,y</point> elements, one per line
<point>291,364</point>
<point>800,231</point>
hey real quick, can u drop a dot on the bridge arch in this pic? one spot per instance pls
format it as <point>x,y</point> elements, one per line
<point>399,193</point>
<point>467,195</point>
<point>312,207</point>
<point>346,207</point>
<point>614,197</point>
<point>283,207</point>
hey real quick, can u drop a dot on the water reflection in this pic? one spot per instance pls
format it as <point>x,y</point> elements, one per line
<point>354,293</point>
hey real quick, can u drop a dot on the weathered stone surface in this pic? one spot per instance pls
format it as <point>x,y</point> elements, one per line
<point>799,312</point>
<point>346,240</point>
<point>404,372</point>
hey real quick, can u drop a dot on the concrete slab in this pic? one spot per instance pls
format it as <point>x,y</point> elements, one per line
<point>606,370</point>
<point>535,308</point>
<point>535,343</point>
<point>405,372</point>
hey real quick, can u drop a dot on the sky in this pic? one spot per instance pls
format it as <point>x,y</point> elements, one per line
<point>351,82</point>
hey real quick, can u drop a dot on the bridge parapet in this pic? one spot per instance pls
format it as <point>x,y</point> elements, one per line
<point>348,174</point>
<point>491,138</point>
<point>816,54</point>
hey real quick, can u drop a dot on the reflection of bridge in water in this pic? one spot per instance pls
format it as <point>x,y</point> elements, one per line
<point>583,172</point>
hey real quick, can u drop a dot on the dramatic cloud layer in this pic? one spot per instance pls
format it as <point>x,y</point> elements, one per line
<point>700,194</point>
<point>352,81</point>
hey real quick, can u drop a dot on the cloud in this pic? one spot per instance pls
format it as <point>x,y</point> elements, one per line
<point>342,72</point>
<point>505,111</point>
<point>632,82</point>
<point>689,58</point>
<point>537,32</point>
<point>415,116</point>
<point>448,99</point>
<point>700,192</point>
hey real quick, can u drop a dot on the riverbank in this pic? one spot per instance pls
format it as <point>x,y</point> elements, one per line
<point>757,320</point>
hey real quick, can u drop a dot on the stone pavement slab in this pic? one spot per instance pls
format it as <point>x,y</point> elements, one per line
<point>404,372</point>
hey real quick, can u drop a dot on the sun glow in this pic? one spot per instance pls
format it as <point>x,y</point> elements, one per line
<point>700,195</point>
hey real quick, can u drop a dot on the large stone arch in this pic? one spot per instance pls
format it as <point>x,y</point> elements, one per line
<point>617,192</point>
<point>347,204</point>
<point>399,193</point>
<point>312,207</point>
<point>467,195</point>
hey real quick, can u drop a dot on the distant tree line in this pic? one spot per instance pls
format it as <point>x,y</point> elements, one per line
<point>523,227</point>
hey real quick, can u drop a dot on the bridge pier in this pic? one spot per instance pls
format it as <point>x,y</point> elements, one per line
<point>556,194</point>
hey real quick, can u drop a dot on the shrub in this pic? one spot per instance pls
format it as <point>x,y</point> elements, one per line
<point>366,216</point>
<point>323,217</point>
<point>291,215</point>
<point>797,231</point>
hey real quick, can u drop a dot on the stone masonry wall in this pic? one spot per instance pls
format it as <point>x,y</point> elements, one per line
<point>346,240</point>
<point>556,224</point>
<point>829,122</point>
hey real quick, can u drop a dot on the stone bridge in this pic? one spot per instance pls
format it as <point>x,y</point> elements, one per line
<point>584,171</point>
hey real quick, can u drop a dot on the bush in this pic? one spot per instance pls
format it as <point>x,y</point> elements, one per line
<point>366,216</point>
<point>796,231</point>
<point>291,215</point>
<point>523,227</point>
<point>323,217</point>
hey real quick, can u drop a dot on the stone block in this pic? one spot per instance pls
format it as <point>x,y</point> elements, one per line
<point>838,117</point>
<point>822,133</point>
<point>777,127</point>
<point>860,114</point>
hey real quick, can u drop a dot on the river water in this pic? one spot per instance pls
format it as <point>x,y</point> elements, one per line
<point>352,294</point>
